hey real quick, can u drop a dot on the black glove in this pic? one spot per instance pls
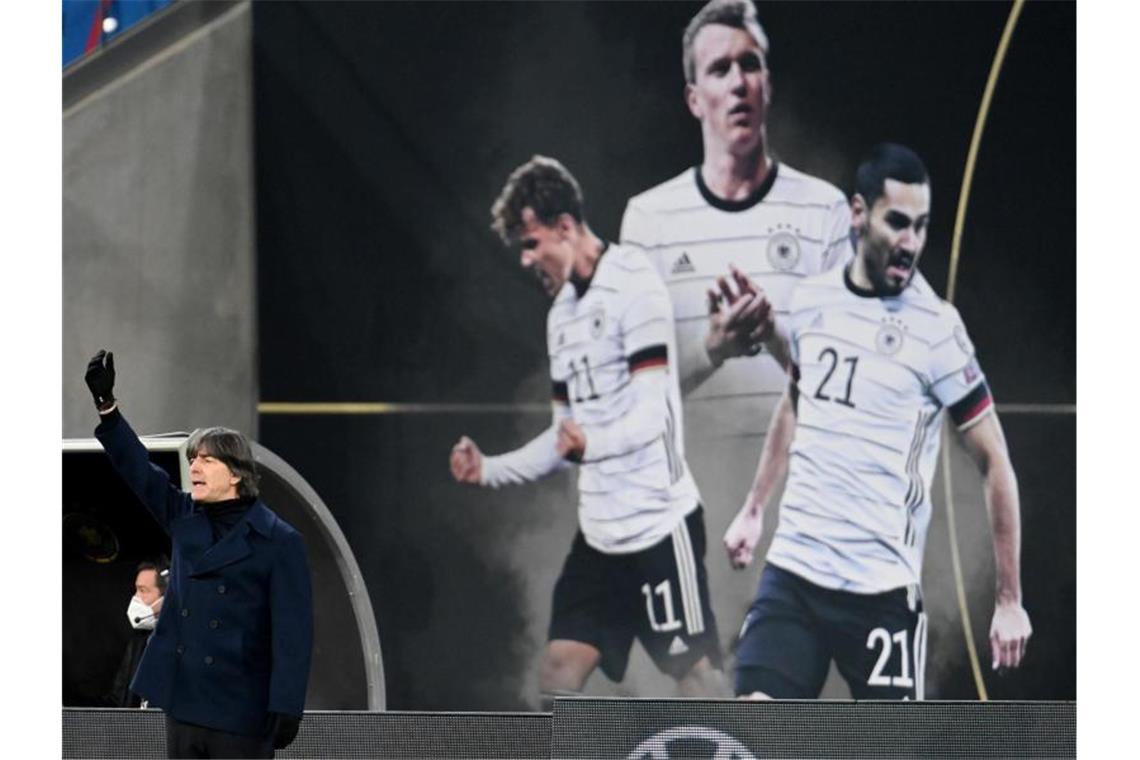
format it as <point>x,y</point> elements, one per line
<point>284,729</point>
<point>100,377</point>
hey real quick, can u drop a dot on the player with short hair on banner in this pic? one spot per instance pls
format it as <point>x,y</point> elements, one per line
<point>636,566</point>
<point>876,357</point>
<point>741,207</point>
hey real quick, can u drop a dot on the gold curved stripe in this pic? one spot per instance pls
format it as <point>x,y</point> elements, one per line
<point>951,281</point>
<point>975,144</point>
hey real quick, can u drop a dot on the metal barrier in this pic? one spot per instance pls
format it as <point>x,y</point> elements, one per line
<point>107,733</point>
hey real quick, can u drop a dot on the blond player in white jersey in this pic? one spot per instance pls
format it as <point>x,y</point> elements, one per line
<point>739,207</point>
<point>876,358</point>
<point>636,567</point>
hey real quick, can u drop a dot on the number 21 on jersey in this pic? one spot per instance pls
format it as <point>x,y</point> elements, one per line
<point>828,388</point>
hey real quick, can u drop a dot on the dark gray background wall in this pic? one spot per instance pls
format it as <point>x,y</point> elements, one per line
<point>158,244</point>
<point>384,132</point>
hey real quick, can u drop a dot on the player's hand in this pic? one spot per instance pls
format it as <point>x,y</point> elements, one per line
<point>1009,635</point>
<point>744,285</point>
<point>740,318</point>
<point>571,441</point>
<point>466,461</point>
<point>100,379</point>
<point>725,339</point>
<point>743,535</point>
<point>759,315</point>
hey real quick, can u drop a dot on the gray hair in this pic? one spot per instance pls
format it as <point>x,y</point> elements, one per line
<point>233,449</point>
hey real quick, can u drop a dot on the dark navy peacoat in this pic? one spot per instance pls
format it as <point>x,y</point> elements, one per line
<point>235,636</point>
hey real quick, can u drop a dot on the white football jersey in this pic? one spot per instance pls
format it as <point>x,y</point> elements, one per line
<point>874,376</point>
<point>793,226</point>
<point>622,323</point>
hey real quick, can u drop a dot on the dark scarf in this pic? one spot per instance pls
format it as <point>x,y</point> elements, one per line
<point>224,515</point>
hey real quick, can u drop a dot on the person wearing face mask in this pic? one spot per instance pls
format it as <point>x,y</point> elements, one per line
<point>228,662</point>
<point>142,615</point>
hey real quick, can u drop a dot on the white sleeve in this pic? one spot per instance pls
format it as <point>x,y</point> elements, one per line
<point>647,322</point>
<point>797,319</point>
<point>641,425</point>
<point>956,379</point>
<point>837,234</point>
<point>636,230</point>
<point>693,363</point>
<point>533,461</point>
<point>954,370</point>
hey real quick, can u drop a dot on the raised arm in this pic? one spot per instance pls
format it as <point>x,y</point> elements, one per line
<point>1010,629</point>
<point>127,454</point>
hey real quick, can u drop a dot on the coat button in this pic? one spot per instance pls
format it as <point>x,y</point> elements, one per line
<point>185,612</point>
<point>179,649</point>
<point>221,588</point>
<point>213,623</point>
<point>209,660</point>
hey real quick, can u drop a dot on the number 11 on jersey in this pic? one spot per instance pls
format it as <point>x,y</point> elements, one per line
<point>578,397</point>
<point>665,590</point>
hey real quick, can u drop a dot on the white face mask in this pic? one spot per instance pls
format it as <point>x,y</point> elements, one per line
<point>141,615</point>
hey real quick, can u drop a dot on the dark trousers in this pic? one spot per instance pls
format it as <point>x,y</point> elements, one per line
<point>188,740</point>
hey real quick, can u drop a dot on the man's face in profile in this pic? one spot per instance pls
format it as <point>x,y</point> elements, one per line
<point>892,234</point>
<point>146,586</point>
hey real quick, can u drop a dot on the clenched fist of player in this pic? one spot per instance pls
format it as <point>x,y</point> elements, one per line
<point>466,461</point>
<point>743,535</point>
<point>571,441</point>
<point>1009,634</point>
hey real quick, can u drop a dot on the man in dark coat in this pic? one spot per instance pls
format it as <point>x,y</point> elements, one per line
<point>229,659</point>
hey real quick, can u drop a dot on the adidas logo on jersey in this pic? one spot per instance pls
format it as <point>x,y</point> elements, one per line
<point>677,647</point>
<point>683,265</point>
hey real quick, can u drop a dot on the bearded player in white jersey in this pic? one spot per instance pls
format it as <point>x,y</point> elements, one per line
<point>876,358</point>
<point>740,207</point>
<point>636,567</point>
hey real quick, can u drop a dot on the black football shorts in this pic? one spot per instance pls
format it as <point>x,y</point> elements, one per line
<point>659,595</point>
<point>794,629</point>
